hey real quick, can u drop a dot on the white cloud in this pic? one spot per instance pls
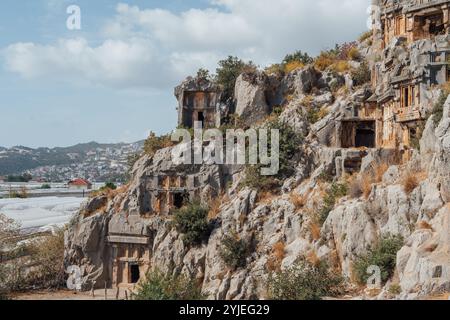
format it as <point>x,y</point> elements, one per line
<point>156,48</point>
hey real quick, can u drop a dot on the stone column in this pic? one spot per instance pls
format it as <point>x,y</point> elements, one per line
<point>410,27</point>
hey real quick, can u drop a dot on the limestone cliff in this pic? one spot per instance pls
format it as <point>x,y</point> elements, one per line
<point>132,227</point>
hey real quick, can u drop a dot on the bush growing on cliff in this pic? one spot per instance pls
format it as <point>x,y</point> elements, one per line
<point>108,186</point>
<point>299,56</point>
<point>384,256</point>
<point>304,281</point>
<point>366,35</point>
<point>192,222</point>
<point>155,143</point>
<point>235,251</point>
<point>361,75</point>
<point>438,108</point>
<point>48,256</point>
<point>334,193</point>
<point>296,61</point>
<point>158,286</point>
<point>204,74</point>
<point>324,60</point>
<point>35,265</point>
<point>228,71</point>
<point>290,147</point>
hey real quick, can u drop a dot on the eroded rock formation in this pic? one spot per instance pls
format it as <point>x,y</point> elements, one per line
<point>350,132</point>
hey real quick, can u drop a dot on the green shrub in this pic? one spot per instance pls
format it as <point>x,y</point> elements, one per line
<point>324,176</point>
<point>204,74</point>
<point>313,115</point>
<point>366,35</point>
<point>108,186</point>
<point>395,289</point>
<point>277,69</point>
<point>192,222</point>
<point>256,181</point>
<point>228,71</point>
<point>438,108</point>
<point>415,140</point>
<point>158,286</point>
<point>290,146</point>
<point>154,143</point>
<point>361,75</point>
<point>334,193</point>
<point>46,186</point>
<point>384,256</point>
<point>23,178</point>
<point>304,281</point>
<point>235,251</point>
<point>298,56</point>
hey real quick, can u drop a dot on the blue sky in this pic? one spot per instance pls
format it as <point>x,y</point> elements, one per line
<point>113,80</point>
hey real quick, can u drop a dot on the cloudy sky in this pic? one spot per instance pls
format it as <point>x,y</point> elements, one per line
<point>113,80</point>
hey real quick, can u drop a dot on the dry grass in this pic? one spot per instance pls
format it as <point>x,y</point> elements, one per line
<point>335,261</point>
<point>354,54</point>
<point>366,181</point>
<point>315,230</point>
<point>313,258</point>
<point>324,60</point>
<point>265,197</point>
<point>410,182</point>
<point>322,113</point>
<point>423,225</point>
<point>299,201</point>
<point>446,86</point>
<point>379,170</point>
<point>307,101</point>
<point>279,251</point>
<point>277,256</point>
<point>366,35</point>
<point>214,207</point>
<point>290,98</point>
<point>292,66</point>
<point>340,66</point>
<point>360,185</point>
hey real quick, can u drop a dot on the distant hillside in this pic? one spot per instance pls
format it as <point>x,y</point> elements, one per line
<point>18,159</point>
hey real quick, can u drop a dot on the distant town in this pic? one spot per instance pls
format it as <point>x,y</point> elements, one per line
<point>93,162</point>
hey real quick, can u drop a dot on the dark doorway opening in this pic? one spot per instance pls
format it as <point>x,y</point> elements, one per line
<point>135,274</point>
<point>178,200</point>
<point>436,24</point>
<point>201,118</point>
<point>365,135</point>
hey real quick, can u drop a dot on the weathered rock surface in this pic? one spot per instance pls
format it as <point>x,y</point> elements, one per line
<point>288,219</point>
<point>250,95</point>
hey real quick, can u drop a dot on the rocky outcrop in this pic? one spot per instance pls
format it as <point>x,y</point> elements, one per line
<point>283,226</point>
<point>250,95</point>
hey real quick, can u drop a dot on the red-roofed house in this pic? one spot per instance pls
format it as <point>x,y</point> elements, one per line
<point>80,184</point>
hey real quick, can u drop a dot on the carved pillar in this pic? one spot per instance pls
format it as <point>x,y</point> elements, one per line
<point>410,27</point>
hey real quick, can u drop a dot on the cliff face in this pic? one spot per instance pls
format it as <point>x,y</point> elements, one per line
<point>133,228</point>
